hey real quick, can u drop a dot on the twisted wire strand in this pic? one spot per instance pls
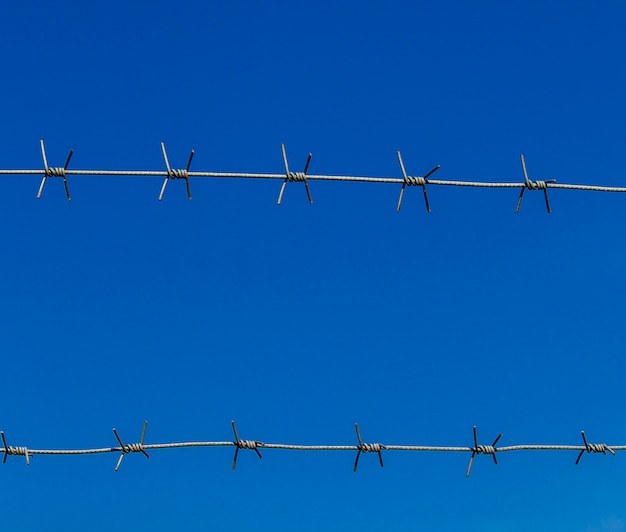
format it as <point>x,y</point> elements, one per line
<point>295,176</point>
<point>362,447</point>
<point>250,444</point>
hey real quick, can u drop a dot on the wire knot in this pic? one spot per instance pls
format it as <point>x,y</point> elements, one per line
<point>133,448</point>
<point>291,177</point>
<point>593,448</point>
<point>485,449</point>
<point>371,447</point>
<point>16,451</point>
<point>482,449</point>
<point>533,185</point>
<point>53,171</point>
<point>175,173</point>
<point>57,171</point>
<point>244,444</point>
<point>415,181</point>
<point>367,448</point>
<point>248,444</point>
<point>296,177</point>
<point>179,173</point>
<point>597,448</point>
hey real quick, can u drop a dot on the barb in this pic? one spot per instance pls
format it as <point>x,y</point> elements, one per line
<point>593,448</point>
<point>533,185</point>
<point>175,174</point>
<point>486,449</point>
<point>54,172</point>
<point>132,447</point>
<point>294,176</point>
<point>244,444</point>
<point>367,448</point>
<point>304,177</point>
<point>18,451</point>
<point>362,447</point>
<point>414,181</point>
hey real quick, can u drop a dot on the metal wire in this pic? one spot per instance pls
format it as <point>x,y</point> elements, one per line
<point>360,448</point>
<point>304,177</point>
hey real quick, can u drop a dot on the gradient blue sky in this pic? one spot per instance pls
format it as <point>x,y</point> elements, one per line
<point>298,321</point>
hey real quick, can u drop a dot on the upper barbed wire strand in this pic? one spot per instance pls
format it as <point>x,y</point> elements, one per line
<point>315,177</point>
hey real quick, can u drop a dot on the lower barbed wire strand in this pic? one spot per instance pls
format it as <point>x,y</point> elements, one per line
<point>295,447</point>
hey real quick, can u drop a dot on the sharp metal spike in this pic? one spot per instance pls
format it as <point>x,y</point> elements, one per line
<point>237,445</point>
<point>495,460</point>
<point>6,448</point>
<point>526,180</point>
<point>282,190</point>
<point>406,179</point>
<point>471,461</point>
<point>67,161</point>
<point>118,439</point>
<point>188,188</point>
<point>119,462</point>
<point>308,192</point>
<point>358,434</point>
<point>356,462</point>
<point>288,176</point>
<point>143,435</point>
<point>187,177</point>
<point>163,187</point>
<point>404,174</point>
<point>400,197</point>
<point>190,158</point>
<point>45,165</point>
<point>432,171</point>
<point>426,199</point>
<point>43,154</point>
<point>545,193</point>
<point>282,146</point>
<point>235,431</point>
<point>519,200</point>
<point>358,454</point>
<point>306,166</point>
<point>43,182</point>
<point>167,163</point>
<point>67,188</point>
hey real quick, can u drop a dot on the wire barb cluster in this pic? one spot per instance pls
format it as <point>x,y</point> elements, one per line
<point>367,448</point>
<point>593,448</point>
<point>54,172</point>
<point>17,451</point>
<point>360,448</point>
<point>244,444</point>
<point>484,449</point>
<point>304,177</point>
<point>132,447</point>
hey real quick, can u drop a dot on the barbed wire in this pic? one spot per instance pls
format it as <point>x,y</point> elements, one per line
<point>302,177</point>
<point>360,448</point>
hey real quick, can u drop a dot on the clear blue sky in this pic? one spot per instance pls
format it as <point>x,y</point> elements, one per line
<point>298,321</point>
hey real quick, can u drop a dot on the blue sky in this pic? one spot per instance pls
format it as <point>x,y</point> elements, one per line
<point>298,321</point>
